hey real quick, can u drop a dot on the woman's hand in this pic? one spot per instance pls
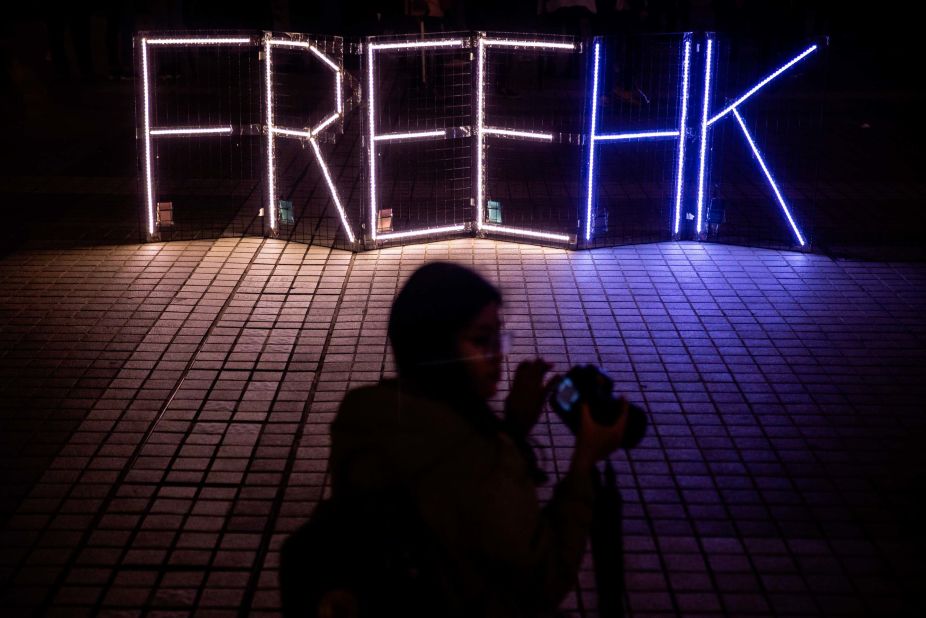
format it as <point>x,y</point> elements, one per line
<point>595,442</point>
<point>528,393</point>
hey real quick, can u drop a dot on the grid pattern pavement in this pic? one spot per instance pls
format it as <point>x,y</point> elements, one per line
<point>164,414</point>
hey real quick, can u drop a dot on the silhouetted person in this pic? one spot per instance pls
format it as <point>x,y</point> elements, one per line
<point>428,471</point>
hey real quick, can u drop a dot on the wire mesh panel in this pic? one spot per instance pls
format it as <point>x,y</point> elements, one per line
<point>530,106</point>
<point>316,166</point>
<point>200,134</point>
<point>637,138</point>
<point>418,136</point>
<point>766,142</point>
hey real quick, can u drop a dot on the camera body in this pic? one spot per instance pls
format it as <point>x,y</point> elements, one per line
<point>588,384</point>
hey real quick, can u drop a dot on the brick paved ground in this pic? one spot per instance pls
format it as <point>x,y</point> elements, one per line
<point>164,412</point>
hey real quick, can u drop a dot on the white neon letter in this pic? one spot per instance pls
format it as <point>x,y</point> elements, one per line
<point>373,137</point>
<point>734,109</point>
<point>482,130</point>
<point>304,134</point>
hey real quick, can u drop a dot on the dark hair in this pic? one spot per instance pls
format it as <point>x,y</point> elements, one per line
<point>434,306</point>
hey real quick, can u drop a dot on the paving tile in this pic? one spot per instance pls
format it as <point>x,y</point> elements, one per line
<point>164,411</point>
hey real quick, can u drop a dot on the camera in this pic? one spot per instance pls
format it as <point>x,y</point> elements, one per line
<point>588,384</point>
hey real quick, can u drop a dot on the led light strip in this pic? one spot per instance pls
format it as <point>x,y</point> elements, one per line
<point>393,137</point>
<point>417,44</point>
<point>705,106</point>
<point>324,124</point>
<point>614,137</point>
<point>338,96</point>
<point>200,41</point>
<point>768,175</point>
<point>761,84</point>
<point>149,180</point>
<point>371,143</point>
<point>306,45</point>
<point>193,131</point>
<point>682,126</point>
<point>424,232</point>
<point>271,176</point>
<point>285,43</point>
<point>324,58</point>
<point>590,189</point>
<point>332,189</point>
<point>530,44</point>
<point>547,137</point>
<point>305,134</point>
<point>291,132</point>
<point>480,120</point>
<point>501,229</point>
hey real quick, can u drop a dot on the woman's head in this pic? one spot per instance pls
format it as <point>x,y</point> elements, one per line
<point>444,329</point>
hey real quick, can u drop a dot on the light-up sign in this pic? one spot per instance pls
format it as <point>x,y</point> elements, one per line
<point>694,122</point>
